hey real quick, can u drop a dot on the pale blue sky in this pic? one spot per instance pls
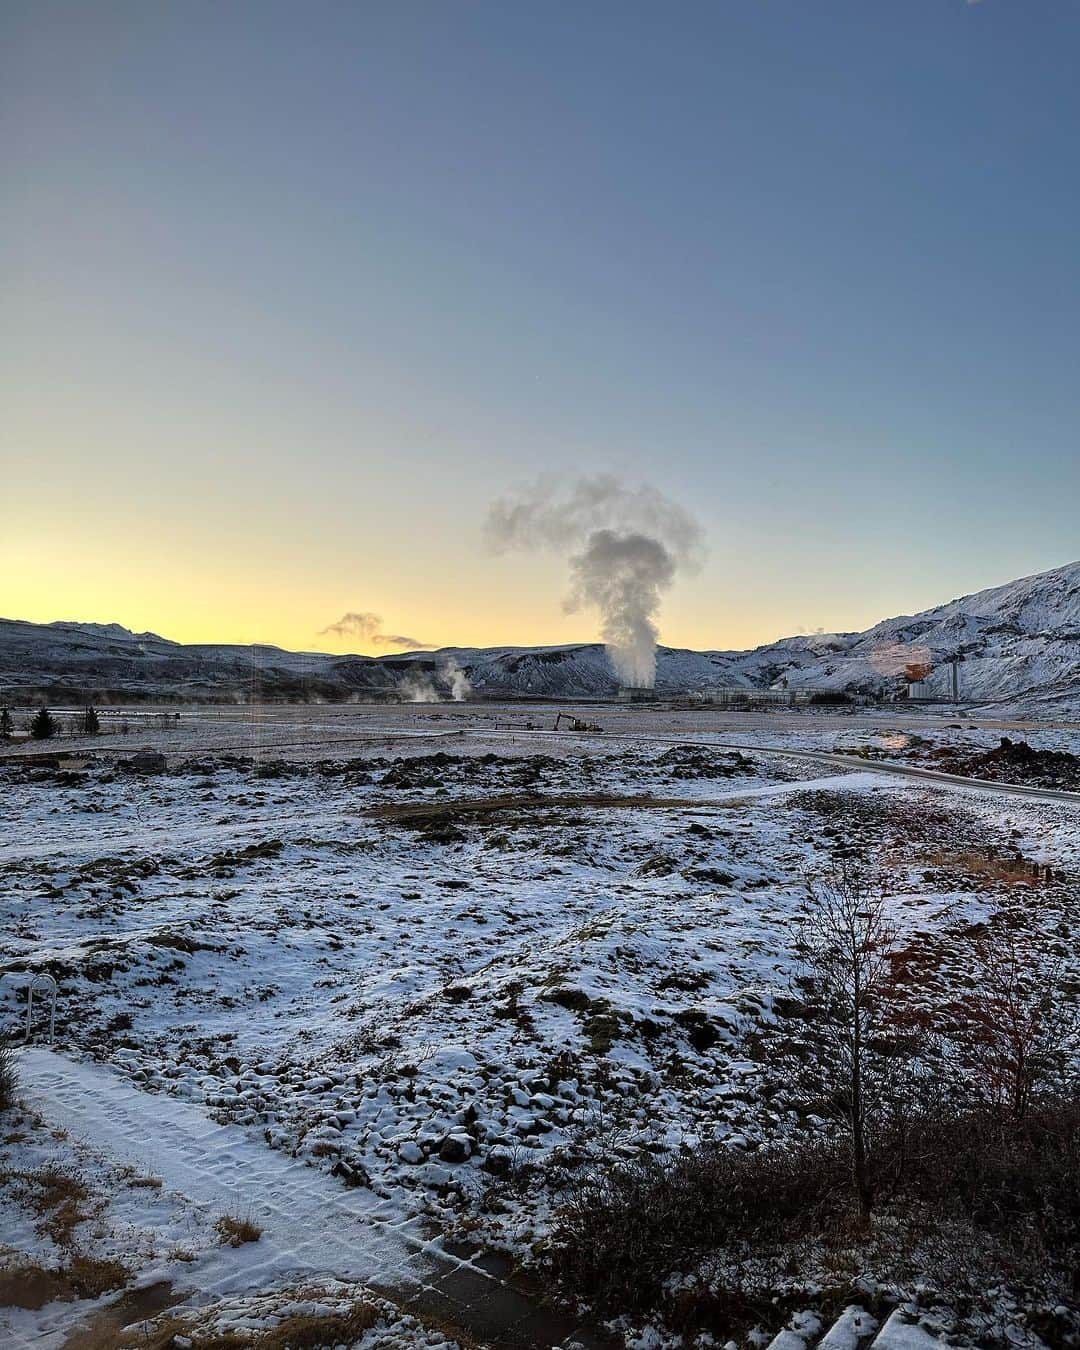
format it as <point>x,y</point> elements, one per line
<point>294,289</point>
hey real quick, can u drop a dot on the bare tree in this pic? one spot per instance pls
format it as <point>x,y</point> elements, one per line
<point>1016,1033</point>
<point>848,941</point>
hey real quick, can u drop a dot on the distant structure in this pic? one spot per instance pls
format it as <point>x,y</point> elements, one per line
<point>634,693</point>
<point>740,696</point>
<point>921,690</point>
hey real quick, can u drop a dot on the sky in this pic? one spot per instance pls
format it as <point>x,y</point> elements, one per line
<point>293,291</point>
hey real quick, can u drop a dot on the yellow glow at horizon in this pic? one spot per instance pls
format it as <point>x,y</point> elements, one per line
<point>196,600</point>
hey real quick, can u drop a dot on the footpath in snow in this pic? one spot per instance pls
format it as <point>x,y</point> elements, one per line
<point>313,1226</point>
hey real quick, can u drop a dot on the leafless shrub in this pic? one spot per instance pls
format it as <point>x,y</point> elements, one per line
<point>968,1200</point>
<point>848,942</point>
<point>627,1226</point>
<point>1016,1035</point>
<point>9,1076</point>
<point>988,1201</point>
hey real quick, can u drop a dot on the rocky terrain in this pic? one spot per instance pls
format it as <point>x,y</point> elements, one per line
<point>1014,762</point>
<point>434,990</point>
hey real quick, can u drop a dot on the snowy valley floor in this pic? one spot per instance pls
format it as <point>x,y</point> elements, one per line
<point>383,1000</point>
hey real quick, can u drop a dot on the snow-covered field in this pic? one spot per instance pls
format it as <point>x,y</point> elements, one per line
<point>312,731</point>
<point>420,980</point>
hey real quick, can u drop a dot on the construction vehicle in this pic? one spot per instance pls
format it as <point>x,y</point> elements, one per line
<point>575,723</point>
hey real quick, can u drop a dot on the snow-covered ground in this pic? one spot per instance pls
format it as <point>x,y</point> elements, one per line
<point>312,732</point>
<point>420,980</point>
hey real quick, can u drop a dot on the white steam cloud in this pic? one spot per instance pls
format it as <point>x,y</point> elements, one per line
<point>627,546</point>
<point>455,679</point>
<point>419,687</point>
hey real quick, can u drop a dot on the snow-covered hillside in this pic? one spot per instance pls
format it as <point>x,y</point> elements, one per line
<point>1020,641</point>
<point>1017,644</point>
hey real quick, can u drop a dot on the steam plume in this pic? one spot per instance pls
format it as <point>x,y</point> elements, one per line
<point>456,680</point>
<point>628,545</point>
<point>409,644</point>
<point>354,624</point>
<point>368,627</point>
<point>419,687</point>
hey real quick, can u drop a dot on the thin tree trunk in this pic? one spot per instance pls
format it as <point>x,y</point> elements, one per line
<point>858,1122</point>
<point>858,1139</point>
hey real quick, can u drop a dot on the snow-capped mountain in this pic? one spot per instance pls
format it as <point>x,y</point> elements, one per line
<point>1017,644</point>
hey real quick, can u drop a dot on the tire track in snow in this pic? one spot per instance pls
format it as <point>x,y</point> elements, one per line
<point>313,1226</point>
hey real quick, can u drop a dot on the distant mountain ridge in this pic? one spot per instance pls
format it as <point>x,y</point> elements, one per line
<point>1013,644</point>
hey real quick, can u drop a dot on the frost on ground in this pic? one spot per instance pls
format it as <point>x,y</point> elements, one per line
<point>329,1312</point>
<point>444,984</point>
<point>79,1225</point>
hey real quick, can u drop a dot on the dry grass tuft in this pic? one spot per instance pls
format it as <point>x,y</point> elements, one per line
<point>58,1196</point>
<point>236,1231</point>
<point>31,1287</point>
<point>90,1278</point>
<point>989,866</point>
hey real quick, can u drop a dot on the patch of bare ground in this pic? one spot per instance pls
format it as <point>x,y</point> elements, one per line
<point>32,1286</point>
<point>938,965</point>
<point>107,1328</point>
<point>60,1198</point>
<point>955,849</point>
<point>28,1286</point>
<point>1011,762</point>
<point>889,820</point>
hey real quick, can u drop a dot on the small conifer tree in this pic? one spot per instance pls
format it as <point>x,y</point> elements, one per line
<point>91,722</point>
<point>7,724</point>
<point>43,725</point>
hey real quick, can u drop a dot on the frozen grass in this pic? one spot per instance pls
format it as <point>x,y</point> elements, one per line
<point>235,1231</point>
